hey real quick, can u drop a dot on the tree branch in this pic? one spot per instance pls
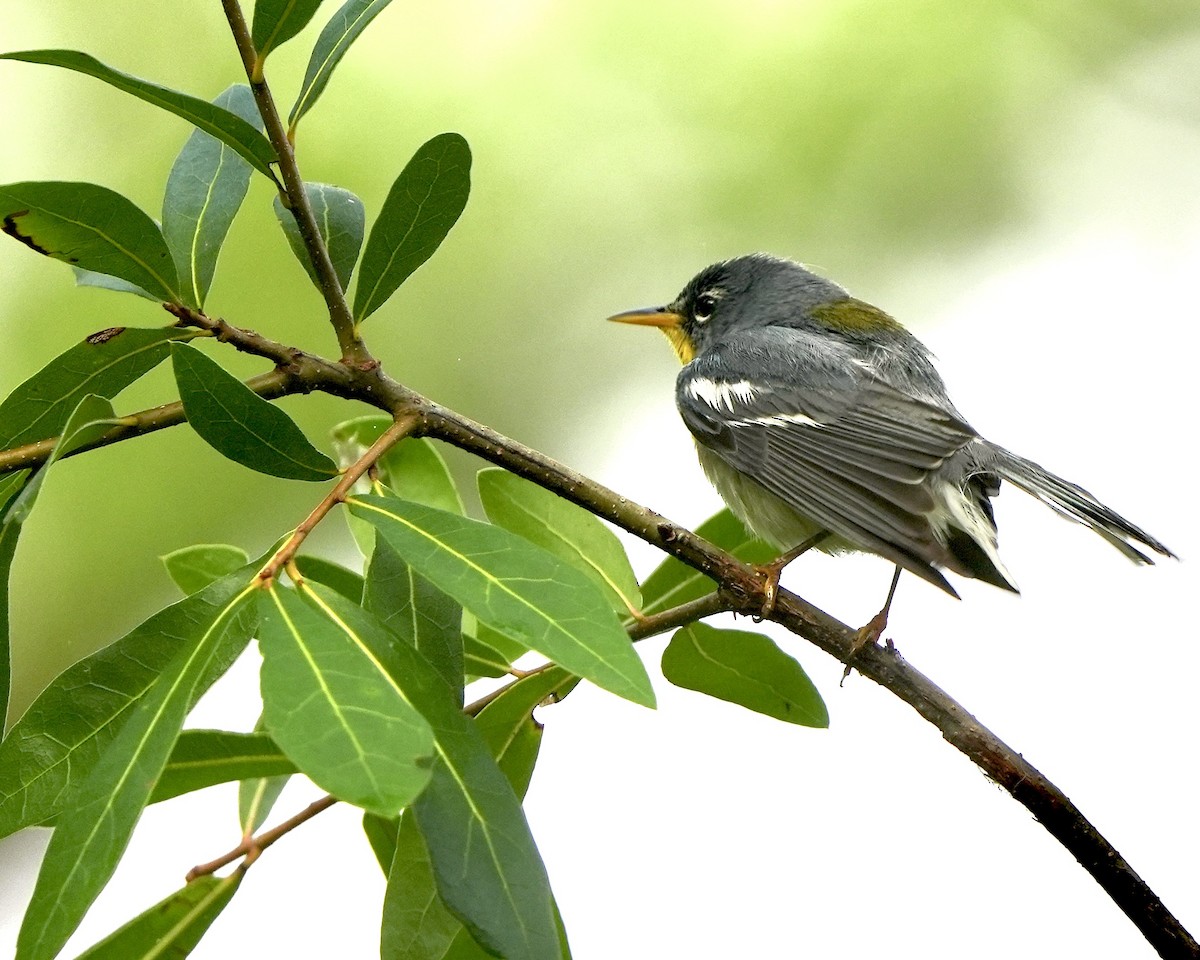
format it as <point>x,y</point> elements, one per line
<point>295,198</point>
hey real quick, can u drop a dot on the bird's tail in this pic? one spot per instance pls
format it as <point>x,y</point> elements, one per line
<point>1075,503</point>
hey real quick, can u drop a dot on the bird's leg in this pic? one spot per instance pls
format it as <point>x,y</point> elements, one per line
<point>866,635</point>
<point>773,569</point>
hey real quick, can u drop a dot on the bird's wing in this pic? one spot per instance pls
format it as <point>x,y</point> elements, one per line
<point>828,436</point>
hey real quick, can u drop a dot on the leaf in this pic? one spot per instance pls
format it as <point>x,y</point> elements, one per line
<point>277,21</point>
<point>341,222</point>
<point>205,190</point>
<point>346,582</point>
<point>91,419</point>
<point>10,486</point>
<point>413,468</point>
<point>743,668</point>
<point>257,795</point>
<point>241,425</point>
<point>566,530</point>
<point>416,611</point>
<point>172,927</point>
<point>104,364</point>
<point>481,660</point>
<point>203,758</point>
<point>334,710</point>
<point>674,582</point>
<point>517,586</point>
<point>416,924</point>
<point>60,738</point>
<point>102,281</point>
<point>194,568</point>
<point>92,227</point>
<point>225,126</point>
<point>340,32</point>
<point>381,835</point>
<point>508,726</point>
<point>486,863</point>
<point>101,813</point>
<point>424,203</point>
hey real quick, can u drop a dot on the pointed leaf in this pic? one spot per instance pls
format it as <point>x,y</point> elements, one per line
<point>566,530</point>
<point>202,758</point>
<point>480,660</point>
<point>416,611</point>
<point>345,581</point>
<point>424,203</point>
<point>487,867</point>
<point>225,126</point>
<point>333,709</point>
<point>100,815</point>
<point>206,188</point>
<point>743,668</point>
<point>58,740</point>
<point>342,30</point>
<point>381,835</point>
<point>104,364</point>
<point>241,425</point>
<point>674,582</point>
<point>92,227</point>
<point>341,222</point>
<point>194,568</point>
<point>172,927</point>
<point>257,795</point>
<point>508,581</point>
<point>102,281</point>
<point>10,486</point>
<point>277,21</point>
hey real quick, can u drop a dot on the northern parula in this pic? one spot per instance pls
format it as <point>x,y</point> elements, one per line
<point>821,421</point>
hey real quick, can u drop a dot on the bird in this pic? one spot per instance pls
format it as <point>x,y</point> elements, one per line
<point>822,422</point>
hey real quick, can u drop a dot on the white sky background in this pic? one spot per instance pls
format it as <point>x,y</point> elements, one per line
<point>704,831</point>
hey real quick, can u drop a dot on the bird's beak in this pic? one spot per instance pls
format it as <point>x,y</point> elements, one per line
<point>650,317</point>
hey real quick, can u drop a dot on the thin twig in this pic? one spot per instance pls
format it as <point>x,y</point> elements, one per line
<point>253,847</point>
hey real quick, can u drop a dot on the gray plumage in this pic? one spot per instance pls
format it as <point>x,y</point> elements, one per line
<point>814,411</point>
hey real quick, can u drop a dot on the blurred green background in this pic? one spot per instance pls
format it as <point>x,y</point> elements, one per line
<point>906,148</point>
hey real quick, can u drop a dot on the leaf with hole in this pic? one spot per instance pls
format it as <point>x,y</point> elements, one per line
<point>507,581</point>
<point>341,222</point>
<point>241,425</point>
<point>743,668</point>
<point>424,203</point>
<point>92,227</point>
<point>340,32</point>
<point>225,126</point>
<point>205,190</point>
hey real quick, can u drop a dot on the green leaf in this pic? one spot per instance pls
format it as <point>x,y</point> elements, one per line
<point>381,835</point>
<point>512,650</point>
<point>104,364</point>
<point>257,795</point>
<point>566,530</point>
<point>205,190</point>
<point>416,924</point>
<point>60,738</point>
<point>340,32</point>
<point>194,568</point>
<point>172,927</point>
<point>91,419</point>
<point>346,582</point>
<point>102,281</point>
<point>508,726</point>
<point>416,611</point>
<point>507,581</point>
<point>10,486</point>
<point>743,668</point>
<point>241,425</point>
<point>424,203</point>
<point>100,814</point>
<point>333,708</point>
<point>203,758</point>
<point>92,227</point>
<point>225,126</point>
<point>341,222</point>
<point>486,863</point>
<point>481,660</point>
<point>413,468</point>
<point>277,21</point>
<point>674,582</point>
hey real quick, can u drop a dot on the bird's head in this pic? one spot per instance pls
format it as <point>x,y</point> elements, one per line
<point>754,291</point>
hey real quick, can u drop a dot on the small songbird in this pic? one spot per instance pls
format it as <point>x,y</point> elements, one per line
<point>822,422</point>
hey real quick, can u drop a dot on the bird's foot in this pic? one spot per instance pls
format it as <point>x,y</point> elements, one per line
<point>866,635</point>
<point>771,572</point>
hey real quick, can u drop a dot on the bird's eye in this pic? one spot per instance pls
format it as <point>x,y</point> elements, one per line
<point>706,303</point>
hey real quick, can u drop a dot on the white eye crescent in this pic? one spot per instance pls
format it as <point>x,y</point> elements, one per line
<point>706,303</point>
